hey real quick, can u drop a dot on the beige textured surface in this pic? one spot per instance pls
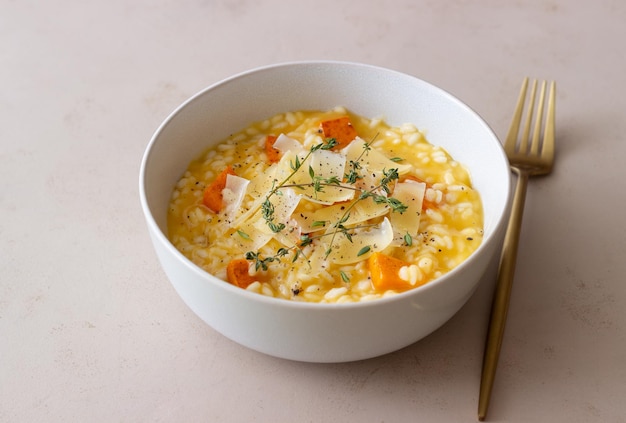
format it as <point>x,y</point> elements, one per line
<point>91,330</point>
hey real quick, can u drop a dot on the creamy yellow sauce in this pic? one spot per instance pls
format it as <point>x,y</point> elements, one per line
<point>449,225</point>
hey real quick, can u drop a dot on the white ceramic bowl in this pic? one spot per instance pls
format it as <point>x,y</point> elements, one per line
<point>323,332</point>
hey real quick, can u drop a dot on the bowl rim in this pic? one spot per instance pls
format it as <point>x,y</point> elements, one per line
<point>285,303</point>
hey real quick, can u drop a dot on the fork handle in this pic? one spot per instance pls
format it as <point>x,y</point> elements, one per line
<point>502,293</point>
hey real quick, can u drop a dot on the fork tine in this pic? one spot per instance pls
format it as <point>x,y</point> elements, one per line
<point>547,152</point>
<point>511,138</point>
<point>523,146</point>
<point>534,145</point>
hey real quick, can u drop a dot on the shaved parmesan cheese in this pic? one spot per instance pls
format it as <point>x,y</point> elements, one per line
<point>290,236</point>
<point>360,211</point>
<point>260,187</point>
<point>318,220</point>
<point>233,195</point>
<point>327,164</point>
<point>284,202</point>
<point>372,165</point>
<point>256,228</point>
<point>263,184</point>
<point>324,164</point>
<point>361,244</point>
<point>249,238</point>
<point>411,194</point>
<point>367,209</point>
<point>284,143</point>
<point>372,160</point>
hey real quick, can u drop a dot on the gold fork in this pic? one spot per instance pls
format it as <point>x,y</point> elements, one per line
<point>527,157</point>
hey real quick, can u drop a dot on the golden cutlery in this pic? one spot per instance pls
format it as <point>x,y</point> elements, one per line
<point>528,157</point>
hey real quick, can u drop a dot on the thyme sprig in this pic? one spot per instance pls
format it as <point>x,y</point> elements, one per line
<point>394,204</point>
<point>262,262</point>
<point>380,194</point>
<point>267,208</point>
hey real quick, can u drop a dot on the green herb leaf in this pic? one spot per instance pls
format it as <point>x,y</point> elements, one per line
<point>396,205</point>
<point>259,263</point>
<point>305,240</point>
<point>363,250</point>
<point>333,180</point>
<point>329,143</point>
<point>276,227</point>
<point>344,277</point>
<point>243,234</point>
<point>295,165</point>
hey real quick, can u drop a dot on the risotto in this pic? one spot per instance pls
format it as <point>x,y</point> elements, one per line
<point>326,206</point>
